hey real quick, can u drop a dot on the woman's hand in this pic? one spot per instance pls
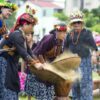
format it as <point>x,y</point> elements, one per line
<point>94,57</point>
<point>33,61</point>
<point>38,66</point>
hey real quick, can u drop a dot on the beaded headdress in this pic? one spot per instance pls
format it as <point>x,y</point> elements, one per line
<point>76,16</point>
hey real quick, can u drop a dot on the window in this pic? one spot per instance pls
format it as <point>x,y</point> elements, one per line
<point>44,12</point>
<point>58,10</point>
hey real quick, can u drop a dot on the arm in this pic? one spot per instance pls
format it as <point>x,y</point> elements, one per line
<point>90,41</point>
<point>18,41</point>
<point>30,52</point>
<point>92,45</point>
<point>43,45</point>
<point>66,43</point>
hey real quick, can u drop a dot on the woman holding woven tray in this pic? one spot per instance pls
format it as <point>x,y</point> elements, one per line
<point>48,49</point>
<point>80,40</point>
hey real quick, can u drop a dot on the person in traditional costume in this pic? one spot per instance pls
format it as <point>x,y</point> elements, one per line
<point>9,79</point>
<point>80,40</point>
<point>48,49</point>
<point>30,78</point>
<point>6,9</point>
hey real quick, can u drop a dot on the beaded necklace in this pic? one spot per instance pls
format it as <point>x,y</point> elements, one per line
<point>72,37</point>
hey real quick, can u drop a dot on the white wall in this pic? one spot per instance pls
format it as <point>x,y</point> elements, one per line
<point>44,22</point>
<point>90,4</point>
<point>70,4</point>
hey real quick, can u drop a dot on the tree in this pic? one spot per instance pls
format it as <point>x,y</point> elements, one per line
<point>96,12</point>
<point>96,28</point>
<point>61,16</point>
<point>92,18</point>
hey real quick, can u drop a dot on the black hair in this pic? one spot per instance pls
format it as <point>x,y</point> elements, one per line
<point>53,31</point>
<point>62,24</point>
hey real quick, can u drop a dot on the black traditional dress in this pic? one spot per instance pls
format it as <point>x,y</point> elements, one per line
<point>9,79</point>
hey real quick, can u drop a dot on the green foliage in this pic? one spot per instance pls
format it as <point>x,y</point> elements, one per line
<point>86,12</point>
<point>96,28</point>
<point>92,19</point>
<point>61,16</point>
<point>96,12</point>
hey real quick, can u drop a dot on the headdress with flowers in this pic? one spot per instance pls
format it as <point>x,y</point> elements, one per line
<point>26,17</point>
<point>8,4</point>
<point>76,16</point>
<point>31,11</point>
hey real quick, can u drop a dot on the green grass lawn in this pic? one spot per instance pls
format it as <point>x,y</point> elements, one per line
<point>97,98</point>
<point>25,98</point>
<point>95,76</point>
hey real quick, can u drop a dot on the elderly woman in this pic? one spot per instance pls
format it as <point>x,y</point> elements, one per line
<point>9,84</point>
<point>80,40</point>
